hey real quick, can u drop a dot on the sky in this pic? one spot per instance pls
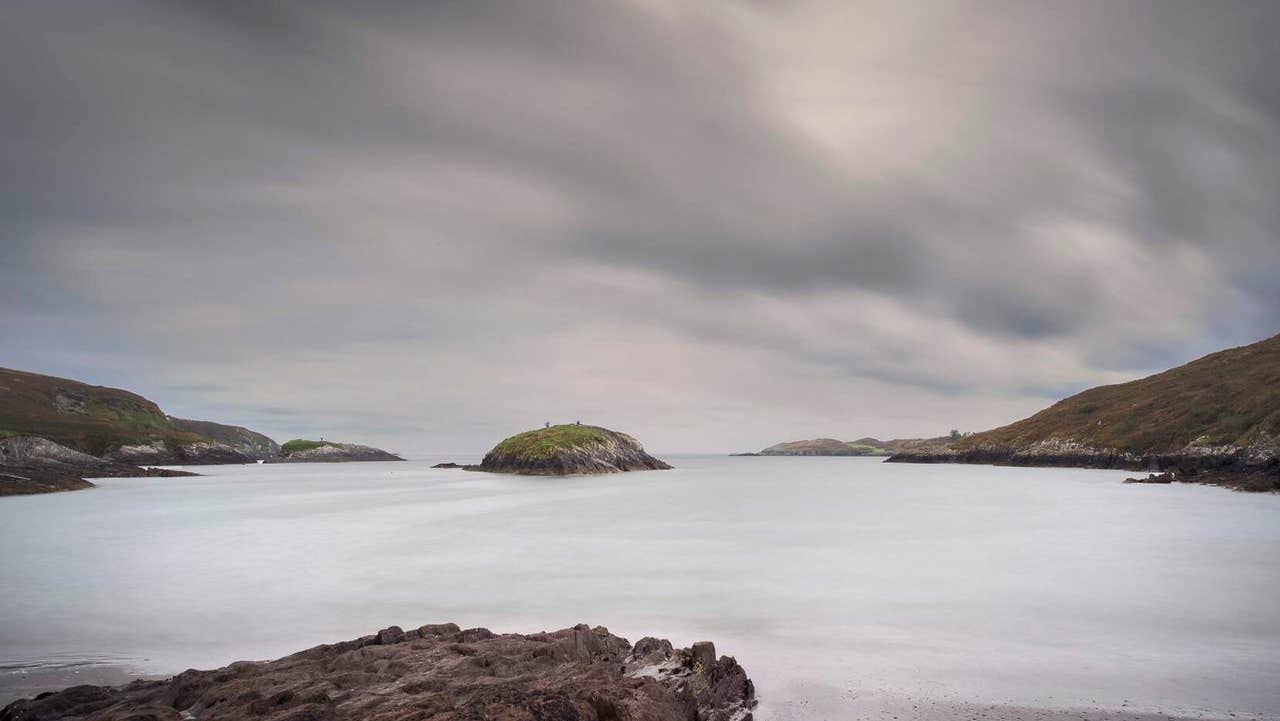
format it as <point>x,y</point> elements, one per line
<point>713,225</point>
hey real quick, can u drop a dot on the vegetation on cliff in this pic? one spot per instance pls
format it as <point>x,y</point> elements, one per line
<point>302,444</point>
<point>301,450</point>
<point>91,419</point>
<point>1213,420</point>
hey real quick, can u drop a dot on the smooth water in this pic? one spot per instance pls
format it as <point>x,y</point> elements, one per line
<point>830,579</point>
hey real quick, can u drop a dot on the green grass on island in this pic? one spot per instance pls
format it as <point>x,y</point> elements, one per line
<point>301,444</point>
<point>544,442</point>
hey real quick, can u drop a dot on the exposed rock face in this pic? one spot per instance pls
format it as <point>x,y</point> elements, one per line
<point>1252,468</point>
<point>569,450</point>
<point>29,449</point>
<point>436,672</point>
<point>37,465</point>
<point>329,452</point>
<point>170,453</point>
<point>251,444</point>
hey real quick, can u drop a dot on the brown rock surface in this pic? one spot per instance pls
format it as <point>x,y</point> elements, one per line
<point>437,672</point>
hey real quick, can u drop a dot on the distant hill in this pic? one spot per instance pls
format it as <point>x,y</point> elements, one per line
<point>115,424</point>
<point>861,447</point>
<point>1219,414</point>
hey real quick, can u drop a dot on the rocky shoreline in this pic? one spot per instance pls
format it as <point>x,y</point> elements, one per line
<point>1246,469</point>
<point>36,465</point>
<point>440,672</point>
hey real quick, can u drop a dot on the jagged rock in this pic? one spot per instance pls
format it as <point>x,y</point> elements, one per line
<point>438,672</point>
<point>568,450</point>
<point>172,453</point>
<point>31,465</point>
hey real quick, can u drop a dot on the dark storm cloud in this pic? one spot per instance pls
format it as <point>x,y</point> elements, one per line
<point>854,205</point>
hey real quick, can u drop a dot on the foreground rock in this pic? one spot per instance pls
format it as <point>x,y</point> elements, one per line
<point>440,673</point>
<point>31,465</point>
<point>569,450</point>
<point>304,451</point>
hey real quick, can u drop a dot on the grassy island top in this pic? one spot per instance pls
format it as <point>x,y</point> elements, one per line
<point>301,444</point>
<point>544,442</point>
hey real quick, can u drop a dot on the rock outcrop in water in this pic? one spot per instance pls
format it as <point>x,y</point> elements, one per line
<point>569,450</point>
<point>1215,420</point>
<point>31,465</point>
<point>441,673</point>
<point>304,451</point>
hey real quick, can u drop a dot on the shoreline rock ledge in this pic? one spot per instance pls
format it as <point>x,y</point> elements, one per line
<point>438,672</point>
<point>569,450</point>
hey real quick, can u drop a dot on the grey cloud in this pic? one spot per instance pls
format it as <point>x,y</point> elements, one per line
<point>265,195</point>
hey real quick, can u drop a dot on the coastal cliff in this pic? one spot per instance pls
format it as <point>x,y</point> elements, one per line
<point>568,450</point>
<point>300,450</point>
<point>115,425</point>
<point>439,672</point>
<point>1214,420</point>
<point>31,465</point>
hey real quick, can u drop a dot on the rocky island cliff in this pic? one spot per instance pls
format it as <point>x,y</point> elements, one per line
<point>300,450</point>
<point>1214,420</point>
<point>437,672</point>
<point>569,450</point>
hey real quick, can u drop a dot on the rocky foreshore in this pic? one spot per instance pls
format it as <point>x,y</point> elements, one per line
<point>31,465</point>
<point>437,672</point>
<point>1253,468</point>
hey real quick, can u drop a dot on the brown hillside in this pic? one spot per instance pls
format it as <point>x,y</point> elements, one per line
<point>90,419</point>
<point>1228,398</point>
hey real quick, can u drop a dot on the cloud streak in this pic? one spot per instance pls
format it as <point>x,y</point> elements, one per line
<point>714,224</point>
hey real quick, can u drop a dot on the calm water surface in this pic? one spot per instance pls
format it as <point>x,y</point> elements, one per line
<point>830,579</point>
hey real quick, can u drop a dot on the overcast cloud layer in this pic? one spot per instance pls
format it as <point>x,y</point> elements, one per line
<point>713,225</point>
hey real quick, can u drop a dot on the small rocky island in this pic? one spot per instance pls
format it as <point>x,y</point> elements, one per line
<point>300,450</point>
<point>439,672</point>
<point>569,450</point>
